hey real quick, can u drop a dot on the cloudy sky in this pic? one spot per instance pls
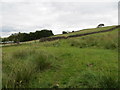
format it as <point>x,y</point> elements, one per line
<point>24,16</point>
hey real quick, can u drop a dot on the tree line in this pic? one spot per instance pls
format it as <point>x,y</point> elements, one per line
<point>22,37</point>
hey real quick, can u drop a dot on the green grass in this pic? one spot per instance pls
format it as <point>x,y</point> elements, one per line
<point>83,62</point>
<point>85,31</point>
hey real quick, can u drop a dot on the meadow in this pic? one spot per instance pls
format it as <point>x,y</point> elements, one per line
<point>80,62</point>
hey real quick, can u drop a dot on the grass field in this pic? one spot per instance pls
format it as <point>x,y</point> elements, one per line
<point>83,62</point>
<point>85,31</point>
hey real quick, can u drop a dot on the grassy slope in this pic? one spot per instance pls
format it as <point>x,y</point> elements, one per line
<point>86,31</point>
<point>89,61</point>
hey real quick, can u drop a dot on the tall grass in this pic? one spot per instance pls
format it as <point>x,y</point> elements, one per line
<point>109,81</point>
<point>42,60</point>
<point>22,54</point>
<point>22,66</point>
<point>82,62</point>
<point>106,41</point>
<point>19,76</point>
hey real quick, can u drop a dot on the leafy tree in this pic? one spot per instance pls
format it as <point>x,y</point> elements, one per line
<point>22,37</point>
<point>64,32</point>
<point>100,25</point>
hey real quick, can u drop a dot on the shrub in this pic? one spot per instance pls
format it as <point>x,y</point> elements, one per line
<point>64,32</point>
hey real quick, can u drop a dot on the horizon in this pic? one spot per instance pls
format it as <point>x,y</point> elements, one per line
<point>52,31</point>
<point>28,17</point>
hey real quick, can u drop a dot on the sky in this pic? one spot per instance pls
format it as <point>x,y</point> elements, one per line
<point>29,16</point>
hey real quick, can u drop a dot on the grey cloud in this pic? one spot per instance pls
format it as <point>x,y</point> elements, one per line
<point>58,16</point>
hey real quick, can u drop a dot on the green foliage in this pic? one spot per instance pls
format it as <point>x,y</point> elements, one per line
<point>64,32</point>
<point>19,76</point>
<point>83,80</point>
<point>42,61</point>
<point>25,63</point>
<point>22,37</point>
<point>107,41</point>
<point>109,81</point>
<point>83,62</point>
<point>100,25</point>
<point>22,54</point>
<point>85,31</point>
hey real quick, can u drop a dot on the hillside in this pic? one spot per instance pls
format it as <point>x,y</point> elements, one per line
<point>89,61</point>
<point>80,33</point>
<point>86,31</point>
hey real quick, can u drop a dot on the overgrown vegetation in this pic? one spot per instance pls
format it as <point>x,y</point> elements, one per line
<point>22,37</point>
<point>107,41</point>
<point>84,62</point>
<point>23,65</point>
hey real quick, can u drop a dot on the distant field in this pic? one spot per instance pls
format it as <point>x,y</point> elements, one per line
<point>85,31</point>
<point>83,62</point>
<point>71,33</point>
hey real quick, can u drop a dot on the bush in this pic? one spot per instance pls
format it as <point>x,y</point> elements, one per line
<point>64,32</point>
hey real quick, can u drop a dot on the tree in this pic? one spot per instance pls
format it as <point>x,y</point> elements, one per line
<point>100,25</point>
<point>22,37</point>
<point>64,32</point>
<point>43,33</point>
